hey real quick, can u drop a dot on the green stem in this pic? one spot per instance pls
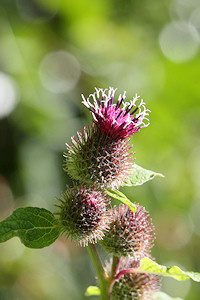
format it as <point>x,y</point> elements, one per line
<point>112,276</point>
<point>105,282</point>
<point>96,262</point>
<point>114,266</point>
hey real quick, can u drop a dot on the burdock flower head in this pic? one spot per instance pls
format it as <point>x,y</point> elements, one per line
<point>132,285</point>
<point>130,234</point>
<point>83,214</point>
<point>118,120</point>
<point>100,155</point>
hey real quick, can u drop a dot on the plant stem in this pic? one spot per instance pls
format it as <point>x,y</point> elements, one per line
<point>96,262</point>
<point>105,282</point>
<point>115,264</point>
<point>112,276</point>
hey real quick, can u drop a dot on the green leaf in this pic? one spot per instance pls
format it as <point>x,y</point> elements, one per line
<point>163,296</point>
<point>139,175</point>
<point>120,196</point>
<point>92,291</point>
<point>36,227</point>
<point>175,272</point>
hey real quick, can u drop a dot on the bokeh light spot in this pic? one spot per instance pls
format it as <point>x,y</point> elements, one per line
<point>179,41</point>
<point>59,71</point>
<point>182,9</point>
<point>192,3</point>
<point>195,18</point>
<point>8,95</point>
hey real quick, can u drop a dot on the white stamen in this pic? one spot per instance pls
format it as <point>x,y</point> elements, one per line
<point>97,92</point>
<point>104,95</point>
<point>120,97</point>
<point>94,117</point>
<point>124,95</point>
<point>96,105</point>
<point>125,105</point>
<point>135,99</point>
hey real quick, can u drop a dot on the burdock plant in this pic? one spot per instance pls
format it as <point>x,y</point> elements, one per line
<point>99,160</point>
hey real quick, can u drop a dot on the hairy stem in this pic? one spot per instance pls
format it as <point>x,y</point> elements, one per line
<point>115,264</point>
<point>112,276</point>
<point>96,262</point>
<point>103,280</point>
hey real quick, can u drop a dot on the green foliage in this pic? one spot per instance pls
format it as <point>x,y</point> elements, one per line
<point>139,175</point>
<point>175,272</point>
<point>129,59</point>
<point>92,291</point>
<point>36,227</point>
<point>120,196</point>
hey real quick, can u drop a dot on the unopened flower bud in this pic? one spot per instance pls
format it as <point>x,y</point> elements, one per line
<point>130,234</point>
<point>133,285</point>
<point>83,214</point>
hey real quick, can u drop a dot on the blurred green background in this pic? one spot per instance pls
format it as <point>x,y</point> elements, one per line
<point>51,51</point>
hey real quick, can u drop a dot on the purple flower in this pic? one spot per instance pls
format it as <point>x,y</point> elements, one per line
<point>119,120</point>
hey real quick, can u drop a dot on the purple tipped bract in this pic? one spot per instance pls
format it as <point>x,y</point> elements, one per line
<point>83,214</point>
<point>132,285</point>
<point>118,120</point>
<point>130,234</point>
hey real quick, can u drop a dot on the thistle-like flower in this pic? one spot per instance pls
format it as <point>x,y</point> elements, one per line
<point>83,214</point>
<point>100,155</point>
<point>130,234</point>
<point>119,120</point>
<point>93,158</point>
<point>132,285</point>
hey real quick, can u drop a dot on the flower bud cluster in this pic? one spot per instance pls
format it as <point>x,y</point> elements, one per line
<point>99,158</point>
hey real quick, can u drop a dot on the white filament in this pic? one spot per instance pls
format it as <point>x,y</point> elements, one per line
<point>104,95</point>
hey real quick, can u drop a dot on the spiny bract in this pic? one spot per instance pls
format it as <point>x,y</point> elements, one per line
<point>83,214</point>
<point>96,158</point>
<point>130,234</point>
<point>133,285</point>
